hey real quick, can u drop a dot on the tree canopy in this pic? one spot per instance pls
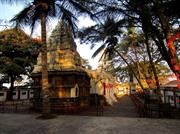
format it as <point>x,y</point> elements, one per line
<point>158,20</point>
<point>18,53</point>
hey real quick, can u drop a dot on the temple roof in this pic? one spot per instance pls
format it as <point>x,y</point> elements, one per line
<point>61,51</point>
<point>173,83</point>
<point>62,38</point>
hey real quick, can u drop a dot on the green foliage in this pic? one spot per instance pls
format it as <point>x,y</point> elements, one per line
<point>68,11</point>
<point>17,53</point>
<point>157,19</point>
<point>106,33</point>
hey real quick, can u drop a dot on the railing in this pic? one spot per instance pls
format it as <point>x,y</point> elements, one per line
<point>22,106</point>
<point>140,105</point>
<point>65,105</point>
<point>62,105</point>
<point>148,107</point>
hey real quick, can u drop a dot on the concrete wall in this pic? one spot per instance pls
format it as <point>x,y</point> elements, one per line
<point>178,100</point>
<point>168,96</point>
<point>3,95</point>
<point>15,95</point>
<point>31,94</point>
<point>23,94</point>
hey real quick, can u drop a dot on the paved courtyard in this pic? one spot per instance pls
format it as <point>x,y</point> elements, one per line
<point>124,107</point>
<point>28,124</point>
<point>121,118</point>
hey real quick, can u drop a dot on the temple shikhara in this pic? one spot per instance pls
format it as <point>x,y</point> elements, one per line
<point>67,77</point>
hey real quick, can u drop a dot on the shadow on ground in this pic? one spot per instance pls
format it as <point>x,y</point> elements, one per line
<point>124,107</point>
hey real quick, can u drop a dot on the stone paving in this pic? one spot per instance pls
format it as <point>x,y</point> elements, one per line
<point>28,124</point>
<point>123,108</point>
<point>117,119</point>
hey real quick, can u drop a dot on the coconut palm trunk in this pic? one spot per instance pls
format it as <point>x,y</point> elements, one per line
<point>129,68</point>
<point>152,66</point>
<point>41,11</point>
<point>45,89</point>
<point>12,80</point>
<point>153,69</point>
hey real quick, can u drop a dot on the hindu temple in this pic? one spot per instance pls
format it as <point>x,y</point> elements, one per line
<point>68,80</point>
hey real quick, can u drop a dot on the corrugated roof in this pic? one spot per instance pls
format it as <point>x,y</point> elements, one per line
<point>173,83</point>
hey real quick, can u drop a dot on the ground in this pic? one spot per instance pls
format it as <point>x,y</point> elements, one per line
<point>121,118</point>
<point>28,124</point>
<point>123,108</point>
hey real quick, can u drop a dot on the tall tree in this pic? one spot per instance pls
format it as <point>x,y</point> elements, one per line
<point>137,40</point>
<point>107,34</point>
<point>155,18</point>
<point>17,55</point>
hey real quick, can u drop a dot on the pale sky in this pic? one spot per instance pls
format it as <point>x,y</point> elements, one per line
<point>7,12</point>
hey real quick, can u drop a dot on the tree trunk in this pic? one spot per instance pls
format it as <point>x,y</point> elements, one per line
<point>130,68</point>
<point>163,19</point>
<point>143,72</point>
<point>167,54</point>
<point>10,96</point>
<point>158,35</point>
<point>153,68</point>
<point>45,84</point>
<point>152,64</point>
<point>147,28</point>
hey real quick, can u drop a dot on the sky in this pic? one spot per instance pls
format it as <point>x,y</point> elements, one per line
<point>7,12</point>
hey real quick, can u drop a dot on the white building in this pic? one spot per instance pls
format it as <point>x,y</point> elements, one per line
<point>3,93</point>
<point>171,94</point>
<point>20,93</point>
<point>103,84</point>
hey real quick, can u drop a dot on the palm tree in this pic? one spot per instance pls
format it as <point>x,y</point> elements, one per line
<point>159,19</point>
<point>137,41</point>
<point>41,11</point>
<point>107,33</point>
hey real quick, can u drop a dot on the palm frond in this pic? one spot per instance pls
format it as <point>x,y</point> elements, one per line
<point>33,23</point>
<point>100,49</point>
<point>81,7</point>
<point>52,8</point>
<point>13,1</point>
<point>69,18</point>
<point>103,55</point>
<point>22,18</point>
<point>91,34</point>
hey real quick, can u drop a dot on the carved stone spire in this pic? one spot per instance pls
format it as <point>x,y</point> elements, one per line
<point>62,54</point>
<point>62,37</point>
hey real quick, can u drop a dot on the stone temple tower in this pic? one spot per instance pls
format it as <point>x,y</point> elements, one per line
<point>67,77</point>
<point>62,54</point>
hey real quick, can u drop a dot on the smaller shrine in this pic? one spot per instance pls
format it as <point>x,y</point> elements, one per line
<point>103,83</point>
<point>69,83</point>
